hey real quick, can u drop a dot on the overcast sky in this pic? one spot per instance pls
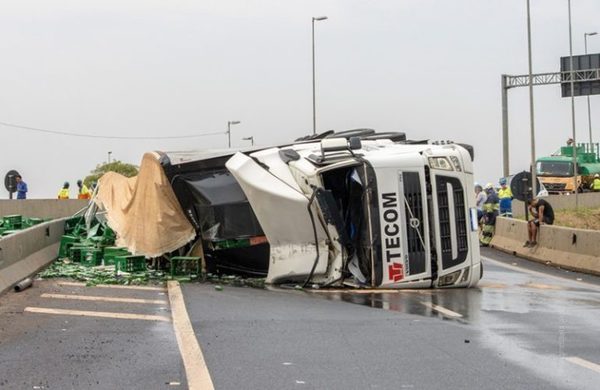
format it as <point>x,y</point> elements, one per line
<point>156,68</point>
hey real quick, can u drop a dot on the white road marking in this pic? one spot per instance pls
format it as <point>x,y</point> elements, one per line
<point>104,299</point>
<point>442,310</point>
<point>537,273</point>
<point>584,363</point>
<point>148,288</point>
<point>196,371</point>
<point>102,314</point>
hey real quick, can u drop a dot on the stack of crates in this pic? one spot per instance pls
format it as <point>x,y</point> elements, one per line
<point>66,242</point>
<point>78,250</point>
<point>130,263</point>
<point>185,266</point>
<point>111,252</point>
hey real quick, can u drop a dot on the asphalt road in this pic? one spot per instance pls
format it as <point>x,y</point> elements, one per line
<point>67,347</point>
<point>527,326</point>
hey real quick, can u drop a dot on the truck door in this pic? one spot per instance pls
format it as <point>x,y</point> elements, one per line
<point>284,214</point>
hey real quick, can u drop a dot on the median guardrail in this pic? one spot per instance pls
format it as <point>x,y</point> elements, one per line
<point>25,252</point>
<point>573,249</point>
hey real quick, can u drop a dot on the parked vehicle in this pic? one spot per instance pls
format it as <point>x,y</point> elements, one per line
<point>348,208</point>
<point>556,171</point>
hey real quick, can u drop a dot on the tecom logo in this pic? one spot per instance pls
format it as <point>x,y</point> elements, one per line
<point>395,272</point>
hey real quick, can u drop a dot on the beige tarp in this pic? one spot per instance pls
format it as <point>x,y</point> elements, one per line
<point>144,211</point>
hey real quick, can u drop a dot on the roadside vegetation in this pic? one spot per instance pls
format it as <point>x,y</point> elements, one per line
<point>581,219</point>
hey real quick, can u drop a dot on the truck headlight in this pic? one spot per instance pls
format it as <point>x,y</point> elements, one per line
<point>456,163</point>
<point>449,279</point>
<point>440,163</point>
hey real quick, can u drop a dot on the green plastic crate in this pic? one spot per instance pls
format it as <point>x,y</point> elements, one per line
<point>13,222</point>
<point>130,263</point>
<point>77,250</point>
<point>111,252</point>
<point>66,242</point>
<point>91,257</point>
<point>74,226</point>
<point>185,265</point>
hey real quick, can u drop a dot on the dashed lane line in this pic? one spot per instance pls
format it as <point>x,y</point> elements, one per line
<point>196,371</point>
<point>584,363</point>
<point>102,314</point>
<point>117,286</point>
<point>442,310</point>
<point>104,299</point>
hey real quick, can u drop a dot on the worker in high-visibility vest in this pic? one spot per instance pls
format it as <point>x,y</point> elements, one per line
<point>595,186</point>
<point>64,191</point>
<point>84,192</point>
<point>505,195</point>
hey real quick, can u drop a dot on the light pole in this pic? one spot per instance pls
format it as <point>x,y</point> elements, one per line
<point>229,131</point>
<point>588,96</point>
<point>317,18</point>
<point>251,139</point>
<point>575,170</point>
<point>109,153</point>
<point>531,117</point>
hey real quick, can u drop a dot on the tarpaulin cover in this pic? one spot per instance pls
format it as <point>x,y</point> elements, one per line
<point>144,210</point>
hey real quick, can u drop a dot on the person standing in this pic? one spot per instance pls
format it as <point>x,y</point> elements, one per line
<point>64,191</point>
<point>480,198</point>
<point>21,188</point>
<point>542,213</point>
<point>595,186</point>
<point>84,192</point>
<point>505,195</point>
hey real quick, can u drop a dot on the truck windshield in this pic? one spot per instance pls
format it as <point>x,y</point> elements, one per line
<point>554,168</point>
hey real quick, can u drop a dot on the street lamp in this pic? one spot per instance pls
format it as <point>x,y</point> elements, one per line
<point>318,19</point>
<point>251,139</point>
<point>109,153</point>
<point>531,116</point>
<point>588,96</point>
<point>229,131</point>
<point>572,77</point>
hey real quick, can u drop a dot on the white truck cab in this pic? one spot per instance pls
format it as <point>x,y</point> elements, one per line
<point>370,212</point>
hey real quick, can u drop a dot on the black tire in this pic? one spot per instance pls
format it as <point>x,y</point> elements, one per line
<point>480,270</point>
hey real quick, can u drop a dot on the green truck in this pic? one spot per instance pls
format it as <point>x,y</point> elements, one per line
<point>556,170</point>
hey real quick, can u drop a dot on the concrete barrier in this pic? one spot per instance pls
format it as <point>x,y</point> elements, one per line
<point>574,249</point>
<point>41,208</point>
<point>25,252</point>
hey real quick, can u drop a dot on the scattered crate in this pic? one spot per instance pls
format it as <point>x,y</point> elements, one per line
<point>111,252</point>
<point>66,242</point>
<point>77,251</point>
<point>130,263</point>
<point>185,265</point>
<point>91,257</point>
<point>12,222</point>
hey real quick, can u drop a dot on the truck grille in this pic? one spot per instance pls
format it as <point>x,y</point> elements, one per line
<point>555,186</point>
<point>414,227</point>
<point>460,221</point>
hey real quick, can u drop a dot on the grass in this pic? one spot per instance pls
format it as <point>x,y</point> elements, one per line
<point>581,219</point>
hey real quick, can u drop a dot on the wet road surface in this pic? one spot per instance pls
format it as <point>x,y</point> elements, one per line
<point>526,326</point>
<point>65,336</point>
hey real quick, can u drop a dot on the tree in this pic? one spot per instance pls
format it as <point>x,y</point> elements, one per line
<point>127,170</point>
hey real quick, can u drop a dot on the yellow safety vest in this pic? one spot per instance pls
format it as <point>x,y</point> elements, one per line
<point>63,193</point>
<point>84,193</point>
<point>505,193</point>
<point>596,185</point>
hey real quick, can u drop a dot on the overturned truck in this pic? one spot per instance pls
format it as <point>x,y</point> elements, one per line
<point>355,208</point>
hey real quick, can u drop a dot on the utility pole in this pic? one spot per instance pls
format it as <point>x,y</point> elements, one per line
<point>531,117</point>
<point>575,168</point>
<point>229,123</point>
<point>588,96</point>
